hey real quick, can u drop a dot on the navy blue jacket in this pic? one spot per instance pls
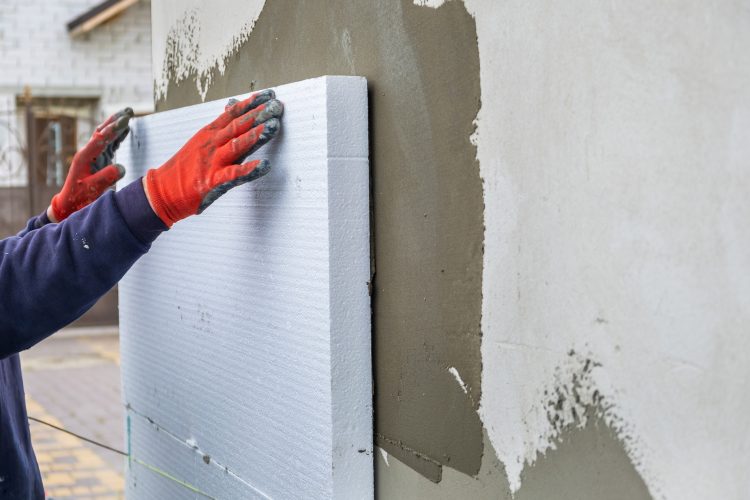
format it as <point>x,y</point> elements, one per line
<point>50,274</point>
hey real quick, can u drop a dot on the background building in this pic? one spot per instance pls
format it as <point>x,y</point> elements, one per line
<point>64,66</point>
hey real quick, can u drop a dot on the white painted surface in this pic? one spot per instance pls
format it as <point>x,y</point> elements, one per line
<point>614,144</point>
<point>112,64</point>
<point>246,330</point>
<point>203,37</point>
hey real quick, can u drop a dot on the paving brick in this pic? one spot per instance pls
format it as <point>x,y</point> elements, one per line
<point>82,395</point>
<point>58,479</point>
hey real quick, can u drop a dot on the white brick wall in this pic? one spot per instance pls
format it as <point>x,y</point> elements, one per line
<point>113,62</point>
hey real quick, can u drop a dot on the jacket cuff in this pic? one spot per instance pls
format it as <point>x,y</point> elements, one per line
<point>41,220</point>
<point>137,212</point>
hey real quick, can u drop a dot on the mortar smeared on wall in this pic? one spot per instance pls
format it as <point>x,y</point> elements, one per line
<point>602,129</point>
<point>198,43</point>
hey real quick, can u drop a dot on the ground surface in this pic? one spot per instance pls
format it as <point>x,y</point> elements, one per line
<point>74,382</point>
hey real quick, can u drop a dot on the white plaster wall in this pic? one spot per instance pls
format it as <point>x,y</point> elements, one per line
<point>113,62</point>
<point>202,37</point>
<point>614,144</point>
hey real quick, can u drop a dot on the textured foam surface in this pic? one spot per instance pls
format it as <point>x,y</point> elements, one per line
<point>245,332</point>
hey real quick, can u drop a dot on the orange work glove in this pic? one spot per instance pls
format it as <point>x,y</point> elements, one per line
<point>91,172</point>
<point>209,164</point>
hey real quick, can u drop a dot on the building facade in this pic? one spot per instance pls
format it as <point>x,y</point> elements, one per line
<point>64,67</point>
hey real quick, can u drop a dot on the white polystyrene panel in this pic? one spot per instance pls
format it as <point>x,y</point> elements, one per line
<point>245,331</point>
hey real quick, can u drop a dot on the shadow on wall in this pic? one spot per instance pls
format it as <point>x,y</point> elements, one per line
<point>422,66</point>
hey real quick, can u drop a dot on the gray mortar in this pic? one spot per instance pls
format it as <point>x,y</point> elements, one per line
<point>422,66</point>
<point>588,463</point>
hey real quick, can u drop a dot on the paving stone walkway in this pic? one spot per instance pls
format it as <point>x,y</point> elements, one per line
<point>74,383</point>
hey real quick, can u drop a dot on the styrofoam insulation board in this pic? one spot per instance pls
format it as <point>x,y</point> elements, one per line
<point>245,331</point>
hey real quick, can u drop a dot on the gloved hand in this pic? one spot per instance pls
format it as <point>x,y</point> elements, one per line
<point>91,172</point>
<point>208,165</point>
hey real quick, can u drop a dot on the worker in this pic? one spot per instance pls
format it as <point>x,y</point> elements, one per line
<point>73,253</point>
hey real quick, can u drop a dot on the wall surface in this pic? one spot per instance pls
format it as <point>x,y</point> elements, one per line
<point>560,207</point>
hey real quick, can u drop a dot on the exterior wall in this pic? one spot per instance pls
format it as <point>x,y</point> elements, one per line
<point>112,61</point>
<point>562,260</point>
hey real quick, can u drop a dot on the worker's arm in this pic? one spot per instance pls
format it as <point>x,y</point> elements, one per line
<point>35,223</point>
<point>51,275</point>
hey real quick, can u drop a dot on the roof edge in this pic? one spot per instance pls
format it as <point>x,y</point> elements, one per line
<point>97,15</point>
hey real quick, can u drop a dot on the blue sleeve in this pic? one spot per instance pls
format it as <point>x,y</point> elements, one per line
<point>51,275</point>
<point>35,223</point>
